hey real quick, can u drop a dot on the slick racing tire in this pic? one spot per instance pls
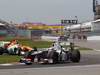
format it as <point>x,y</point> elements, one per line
<point>1,53</point>
<point>75,56</point>
<point>1,50</point>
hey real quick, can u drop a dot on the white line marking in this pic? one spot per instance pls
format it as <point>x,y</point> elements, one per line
<point>8,64</point>
<point>96,50</point>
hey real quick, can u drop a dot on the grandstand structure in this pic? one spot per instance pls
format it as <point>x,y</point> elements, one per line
<point>36,30</point>
<point>7,29</point>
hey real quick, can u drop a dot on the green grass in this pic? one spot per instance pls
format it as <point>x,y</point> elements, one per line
<point>38,44</point>
<point>9,58</point>
<point>31,43</point>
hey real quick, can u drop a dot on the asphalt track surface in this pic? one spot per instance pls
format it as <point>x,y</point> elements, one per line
<point>67,70</point>
<point>93,44</point>
<point>87,58</point>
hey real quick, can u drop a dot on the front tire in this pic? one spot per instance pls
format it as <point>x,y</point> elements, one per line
<point>55,58</point>
<point>1,50</point>
<point>1,53</point>
<point>28,63</point>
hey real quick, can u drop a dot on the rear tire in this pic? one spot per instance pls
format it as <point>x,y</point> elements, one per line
<point>75,56</point>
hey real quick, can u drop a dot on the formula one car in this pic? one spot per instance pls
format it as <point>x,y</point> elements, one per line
<point>53,55</point>
<point>10,47</point>
<point>13,48</point>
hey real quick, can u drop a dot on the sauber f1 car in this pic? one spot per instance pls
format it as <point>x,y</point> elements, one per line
<point>53,55</point>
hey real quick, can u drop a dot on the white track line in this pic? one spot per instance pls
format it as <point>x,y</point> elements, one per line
<point>96,50</point>
<point>6,64</point>
<point>11,64</point>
